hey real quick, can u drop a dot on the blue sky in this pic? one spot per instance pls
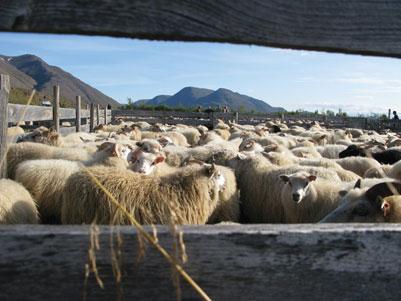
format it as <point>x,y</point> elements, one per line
<point>292,79</point>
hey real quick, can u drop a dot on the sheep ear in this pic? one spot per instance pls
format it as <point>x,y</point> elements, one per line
<point>266,155</point>
<point>135,154</point>
<point>211,168</point>
<point>115,151</point>
<point>139,143</point>
<point>54,135</point>
<point>159,159</point>
<point>358,184</point>
<point>342,193</point>
<point>284,178</point>
<point>311,178</point>
<point>322,137</point>
<point>385,206</point>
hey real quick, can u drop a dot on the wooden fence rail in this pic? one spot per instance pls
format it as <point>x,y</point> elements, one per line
<point>246,262</point>
<point>352,26</point>
<point>210,119</point>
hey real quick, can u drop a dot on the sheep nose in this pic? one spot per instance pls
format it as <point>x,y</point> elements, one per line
<point>296,197</point>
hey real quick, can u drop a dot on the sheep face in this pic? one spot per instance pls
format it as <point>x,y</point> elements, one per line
<point>164,141</point>
<point>250,145</point>
<point>149,146</point>
<point>219,179</point>
<point>298,183</point>
<point>355,208</point>
<point>145,163</point>
<point>41,135</point>
<point>352,151</point>
<point>369,205</point>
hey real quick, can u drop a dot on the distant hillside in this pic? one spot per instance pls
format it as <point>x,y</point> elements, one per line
<point>29,72</point>
<point>191,97</point>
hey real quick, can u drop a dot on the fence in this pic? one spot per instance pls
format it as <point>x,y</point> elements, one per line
<point>80,119</point>
<point>210,119</point>
<point>301,262</point>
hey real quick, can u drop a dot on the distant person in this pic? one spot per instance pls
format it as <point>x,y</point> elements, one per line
<point>199,109</point>
<point>209,110</point>
<point>395,116</point>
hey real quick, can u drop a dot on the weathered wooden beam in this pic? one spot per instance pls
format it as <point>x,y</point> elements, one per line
<point>92,117</point>
<point>4,94</point>
<point>97,114</point>
<point>39,113</point>
<point>56,107</point>
<point>352,26</point>
<point>105,114</point>
<point>78,113</point>
<point>246,262</point>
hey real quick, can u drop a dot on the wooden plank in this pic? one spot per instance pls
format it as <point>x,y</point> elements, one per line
<point>78,113</point>
<point>192,122</point>
<point>56,107</point>
<point>97,114</point>
<point>247,262</point>
<point>39,113</point>
<point>92,117</point>
<point>4,94</point>
<point>105,115</point>
<point>353,26</point>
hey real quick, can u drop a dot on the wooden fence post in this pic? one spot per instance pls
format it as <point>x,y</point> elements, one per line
<point>105,114</point>
<point>282,117</point>
<point>4,93</point>
<point>92,118</point>
<point>97,114</point>
<point>236,118</point>
<point>56,107</point>
<point>78,114</point>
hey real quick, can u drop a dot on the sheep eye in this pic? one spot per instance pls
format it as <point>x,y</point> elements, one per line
<point>360,210</point>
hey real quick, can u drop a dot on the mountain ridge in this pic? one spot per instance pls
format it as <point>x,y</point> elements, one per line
<point>192,97</point>
<point>30,72</point>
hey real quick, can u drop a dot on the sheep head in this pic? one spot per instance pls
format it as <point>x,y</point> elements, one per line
<point>379,203</point>
<point>299,184</point>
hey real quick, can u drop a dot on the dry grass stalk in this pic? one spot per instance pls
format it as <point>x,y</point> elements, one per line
<point>116,261</point>
<point>93,247</point>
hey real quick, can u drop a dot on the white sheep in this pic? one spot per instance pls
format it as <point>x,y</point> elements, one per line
<point>45,179</point>
<point>307,199</point>
<point>191,193</point>
<point>16,204</point>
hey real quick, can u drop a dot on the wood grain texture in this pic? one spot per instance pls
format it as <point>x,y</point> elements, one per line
<point>92,118</point>
<point>4,94</point>
<point>348,26</point>
<point>78,113</point>
<point>56,108</point>
<point>38,113</point>
<point>247,262</point>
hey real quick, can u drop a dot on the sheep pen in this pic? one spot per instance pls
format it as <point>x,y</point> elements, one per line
<point>233,182</point>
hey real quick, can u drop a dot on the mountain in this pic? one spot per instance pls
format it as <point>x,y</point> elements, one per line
<point>192,97</point>
<point>31,72</point>
<point>18,79</point>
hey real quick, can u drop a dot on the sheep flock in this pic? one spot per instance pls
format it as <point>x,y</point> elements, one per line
<point>274,172</point>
